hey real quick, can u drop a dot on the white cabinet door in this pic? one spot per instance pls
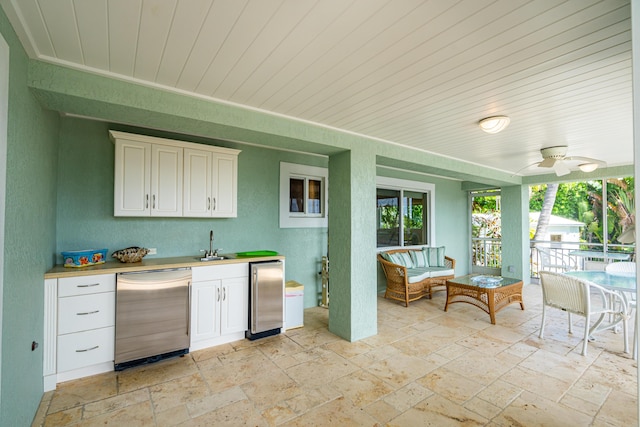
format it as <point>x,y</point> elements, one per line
<point>166,180</point>
<point>132,185</point>
<point>197,183</point>
<point>235,305</point>
<point>205,310</point>
<point>224,185</point>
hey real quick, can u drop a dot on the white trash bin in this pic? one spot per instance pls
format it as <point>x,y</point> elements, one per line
<point>294,305</point>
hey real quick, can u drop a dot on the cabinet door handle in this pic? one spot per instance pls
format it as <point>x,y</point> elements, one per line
<point>88,286</point>
<point>214,203</point>
<point>154,201</point>
<point>88,312</point>
<point>224,294</point>
<point>146,203</point>
<point>189,313</point>
<point>87,349</point>
<point>218,294</point>
<point>208,203</point>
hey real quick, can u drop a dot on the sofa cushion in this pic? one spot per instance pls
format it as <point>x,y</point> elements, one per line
<point>418,274</point>
<point>420,258</point>
<point>440,271</point>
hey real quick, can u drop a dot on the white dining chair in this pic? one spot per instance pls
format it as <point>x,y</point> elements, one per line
<point>576,296</point>
<point>621,267</point>
<point>628,267</point>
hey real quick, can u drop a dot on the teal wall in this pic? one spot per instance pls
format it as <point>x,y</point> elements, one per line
<point>352,285</point>
<point>32,135</point>
<point>85,207</point>
<point>515,232</point>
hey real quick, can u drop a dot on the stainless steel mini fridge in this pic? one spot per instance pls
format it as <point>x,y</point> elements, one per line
<point>266,299</point>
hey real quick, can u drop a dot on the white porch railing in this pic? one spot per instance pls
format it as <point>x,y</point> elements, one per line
<point>553,256</point>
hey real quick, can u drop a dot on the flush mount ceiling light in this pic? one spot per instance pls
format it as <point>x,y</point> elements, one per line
<point>588,167</point>
<point>494,124</point>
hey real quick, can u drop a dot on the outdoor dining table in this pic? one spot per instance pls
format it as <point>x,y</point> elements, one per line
<point>621,282</point>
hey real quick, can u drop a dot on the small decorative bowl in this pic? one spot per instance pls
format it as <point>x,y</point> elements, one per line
<point>132,254</point>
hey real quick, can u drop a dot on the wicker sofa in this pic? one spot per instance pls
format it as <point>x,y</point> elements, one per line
<point>414,273</point>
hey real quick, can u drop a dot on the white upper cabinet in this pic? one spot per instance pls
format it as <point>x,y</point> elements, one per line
<point>210,183</point>
<point>132,179</point>
<point>197,183</point>
<point>168,178</point>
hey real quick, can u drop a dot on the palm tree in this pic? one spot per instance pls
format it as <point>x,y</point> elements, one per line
<point>545,212</point>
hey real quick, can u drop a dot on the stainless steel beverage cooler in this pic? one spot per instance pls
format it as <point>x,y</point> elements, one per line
<point>266,299</point>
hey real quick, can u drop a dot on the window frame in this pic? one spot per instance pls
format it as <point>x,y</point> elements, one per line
<point>403,185</point>
<point>304,219</point>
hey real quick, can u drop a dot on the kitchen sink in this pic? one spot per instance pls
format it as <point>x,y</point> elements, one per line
<point>213,258</point>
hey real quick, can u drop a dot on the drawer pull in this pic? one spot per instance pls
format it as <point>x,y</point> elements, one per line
<point>88,312</point>
<point>87,349</point>
<point>88,286</point>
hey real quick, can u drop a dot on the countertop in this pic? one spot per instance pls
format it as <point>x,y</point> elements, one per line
<point>149,264</point>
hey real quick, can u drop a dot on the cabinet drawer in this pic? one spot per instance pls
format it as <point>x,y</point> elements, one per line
<point>217,272</point>
<point>84,312</point>
<point>85,348</point>
<point>82,285</point>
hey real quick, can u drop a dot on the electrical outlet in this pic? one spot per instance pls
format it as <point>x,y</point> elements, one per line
<point>153,251</point>
<point>511,269</point>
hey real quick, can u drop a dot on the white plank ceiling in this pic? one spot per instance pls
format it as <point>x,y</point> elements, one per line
<point>411,72</point>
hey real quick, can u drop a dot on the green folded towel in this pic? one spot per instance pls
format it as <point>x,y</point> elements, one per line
<point>256,253</point>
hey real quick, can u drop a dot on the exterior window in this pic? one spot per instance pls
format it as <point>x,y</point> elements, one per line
<point>388,217</point>
<point>296,195</point>
<point>403,213</point>
<point>303,196</point>
<point>415,214</point>
<point>314,200</point>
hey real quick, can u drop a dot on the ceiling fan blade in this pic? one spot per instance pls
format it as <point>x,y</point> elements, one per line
<point>547,163</point>
<point>526,167</point>
<point>588,160</point>
<point>561,168</point>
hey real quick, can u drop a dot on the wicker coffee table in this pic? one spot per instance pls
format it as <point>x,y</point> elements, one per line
<point>489,293</point>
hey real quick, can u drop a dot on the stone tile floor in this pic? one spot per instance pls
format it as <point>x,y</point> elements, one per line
<point>424,367</point>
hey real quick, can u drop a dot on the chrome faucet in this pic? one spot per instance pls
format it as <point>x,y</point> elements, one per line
<point>213,253</point>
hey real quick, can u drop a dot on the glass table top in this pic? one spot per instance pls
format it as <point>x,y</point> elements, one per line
<point>615,281</point>
<point>484,281</point>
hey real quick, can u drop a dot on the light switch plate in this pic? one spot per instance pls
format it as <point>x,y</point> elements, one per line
<point>153,251</point>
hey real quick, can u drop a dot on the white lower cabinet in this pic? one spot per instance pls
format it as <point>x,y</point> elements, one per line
<point>79,327</point>
<point>219,304</point>
<point>79,318</point>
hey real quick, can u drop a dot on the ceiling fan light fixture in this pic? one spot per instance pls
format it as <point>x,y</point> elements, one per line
<point>494,124</point>
<point>588,167</point>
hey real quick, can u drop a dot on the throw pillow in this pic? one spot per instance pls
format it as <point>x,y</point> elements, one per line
<point>420,258</point>
<point>435,256</point>
<point>402,258</point>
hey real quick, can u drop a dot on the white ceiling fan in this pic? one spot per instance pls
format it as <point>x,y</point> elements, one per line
<point>556,158</point>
